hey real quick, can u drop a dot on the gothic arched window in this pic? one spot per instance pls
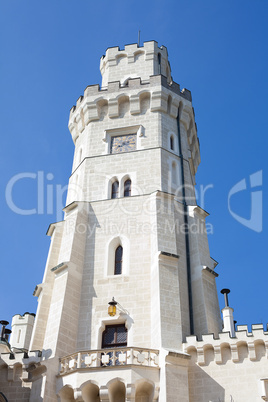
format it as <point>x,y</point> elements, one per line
<point>127,188</point>
<point>115,189</point>
<point>118,261</point>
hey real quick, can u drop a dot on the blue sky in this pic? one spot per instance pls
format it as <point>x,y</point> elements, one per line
<point>50,51</point>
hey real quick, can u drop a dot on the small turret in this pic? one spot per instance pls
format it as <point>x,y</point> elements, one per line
<point>22,327</point>
<point>134,61</point>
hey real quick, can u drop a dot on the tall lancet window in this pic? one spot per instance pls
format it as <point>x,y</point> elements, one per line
<point>115,189</point>
<point>118,261</point>
<point>127,188</point>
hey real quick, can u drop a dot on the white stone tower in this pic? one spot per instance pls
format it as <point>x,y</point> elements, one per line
<point>124,235</point>
<point>133,231</point>
<point>134,239</point>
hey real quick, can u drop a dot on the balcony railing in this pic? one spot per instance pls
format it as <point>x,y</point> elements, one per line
<point>109,357</point>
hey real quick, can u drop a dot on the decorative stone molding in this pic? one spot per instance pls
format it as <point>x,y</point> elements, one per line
<point>21,358</point>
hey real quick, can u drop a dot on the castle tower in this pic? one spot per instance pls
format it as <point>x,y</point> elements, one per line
<point>128,308</point>
<point>127,233</point>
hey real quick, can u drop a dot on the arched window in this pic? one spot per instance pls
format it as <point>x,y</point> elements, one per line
<point>118,261</point>
<point>127,188</point>
<point>172,143</point>
<point>115,189</point>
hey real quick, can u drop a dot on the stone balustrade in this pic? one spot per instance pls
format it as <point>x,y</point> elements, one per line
<point>109,357</point>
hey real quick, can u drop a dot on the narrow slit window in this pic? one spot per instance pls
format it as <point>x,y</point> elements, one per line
<point>127,188</point>
<point>159,63</point>
<point>80,155</point>
<point>172,143</point>
<point>115,189</point>
<point>118,260</point>
<point>174,173</point>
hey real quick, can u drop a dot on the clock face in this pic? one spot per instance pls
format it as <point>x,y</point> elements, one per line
<point>123,143</point>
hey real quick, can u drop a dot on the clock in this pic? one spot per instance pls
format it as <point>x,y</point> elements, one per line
<point>123,143</point>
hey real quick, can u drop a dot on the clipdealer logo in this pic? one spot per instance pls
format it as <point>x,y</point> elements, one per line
<point>50,198</point>
<point>254,222</point>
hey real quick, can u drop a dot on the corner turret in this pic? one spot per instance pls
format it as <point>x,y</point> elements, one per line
<point>22,327</point>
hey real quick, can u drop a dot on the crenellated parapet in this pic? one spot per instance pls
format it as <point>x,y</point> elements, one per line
<point>245,344</point>
<point>89,107</point>
<point>27,361</point>
<point>97,104</point>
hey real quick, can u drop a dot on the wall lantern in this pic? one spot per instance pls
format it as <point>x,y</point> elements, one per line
<point>112,308</point>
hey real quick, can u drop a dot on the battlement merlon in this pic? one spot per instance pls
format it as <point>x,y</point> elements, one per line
<point>134,61</point>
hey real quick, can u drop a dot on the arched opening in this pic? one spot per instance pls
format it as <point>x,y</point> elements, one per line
<point>115,189</point>
<point>144,391</point>
<point>117,391</point>
<point>90,392</point>
<point>66,394</point>
<point>118,260</point>
<point>127,188</point>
